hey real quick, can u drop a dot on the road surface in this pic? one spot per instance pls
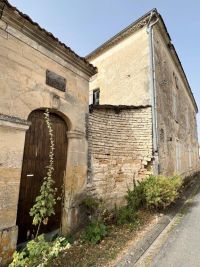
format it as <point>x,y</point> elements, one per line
<point>182,248</point>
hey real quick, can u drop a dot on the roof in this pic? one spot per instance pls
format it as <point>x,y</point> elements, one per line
<point>4,4</point>
<point>136,25</point>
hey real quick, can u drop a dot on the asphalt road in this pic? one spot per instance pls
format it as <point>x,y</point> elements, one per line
<point>182,248</point>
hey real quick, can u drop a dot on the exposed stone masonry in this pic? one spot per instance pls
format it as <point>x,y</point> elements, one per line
<point>120,150</point>
<point>26,51</point>
<point>7,244</point>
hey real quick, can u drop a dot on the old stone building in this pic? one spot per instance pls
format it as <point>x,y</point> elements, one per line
<point>37,72</point>
<point>143,117</point>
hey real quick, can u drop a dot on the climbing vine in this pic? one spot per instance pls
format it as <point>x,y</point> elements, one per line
<point>39,252</point>
<point>45,202</point>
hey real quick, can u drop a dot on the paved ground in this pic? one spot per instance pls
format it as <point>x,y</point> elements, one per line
<point>182,248</point>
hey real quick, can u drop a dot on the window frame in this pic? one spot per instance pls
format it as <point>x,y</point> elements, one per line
<point>96,100</point>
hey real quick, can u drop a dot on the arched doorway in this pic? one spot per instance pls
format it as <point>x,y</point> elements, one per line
<point>35,160</point>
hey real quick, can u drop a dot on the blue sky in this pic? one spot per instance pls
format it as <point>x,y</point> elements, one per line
<point>84,25</point>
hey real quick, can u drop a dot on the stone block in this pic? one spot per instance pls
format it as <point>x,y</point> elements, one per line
<point>8,241</point>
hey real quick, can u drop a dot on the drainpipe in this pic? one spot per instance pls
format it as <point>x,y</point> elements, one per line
<point>153,93</point>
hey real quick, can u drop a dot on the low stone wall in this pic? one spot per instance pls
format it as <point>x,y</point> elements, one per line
<point>120,150</point>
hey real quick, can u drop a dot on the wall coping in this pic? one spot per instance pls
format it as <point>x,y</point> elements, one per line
<point>116,108</point>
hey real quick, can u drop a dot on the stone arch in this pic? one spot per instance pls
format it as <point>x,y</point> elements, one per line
<point>35,160</point>
<point>62,115</point>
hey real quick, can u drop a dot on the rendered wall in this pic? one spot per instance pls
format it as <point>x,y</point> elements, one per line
<point>177,126</point>
<point>23,65</point>
<point>123,72</point>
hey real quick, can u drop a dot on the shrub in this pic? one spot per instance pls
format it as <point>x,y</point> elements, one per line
<point>125,215</point>
<point>97,214</point>
<point>161,191</point>
<point>96,210</point>
<point>93,206</point>
<point>39,252</point>
<point>136,198</point>
<point>156,192</point>
<point>94,232</point>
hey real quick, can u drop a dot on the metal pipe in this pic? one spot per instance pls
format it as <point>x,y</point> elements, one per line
<point>153,91</point>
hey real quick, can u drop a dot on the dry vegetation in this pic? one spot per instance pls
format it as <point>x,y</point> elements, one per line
<point>106,252</point>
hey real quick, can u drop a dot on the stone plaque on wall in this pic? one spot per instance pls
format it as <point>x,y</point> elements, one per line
<point>56,81</point>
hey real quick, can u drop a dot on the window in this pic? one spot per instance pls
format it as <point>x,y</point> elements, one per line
<point>96,95</point>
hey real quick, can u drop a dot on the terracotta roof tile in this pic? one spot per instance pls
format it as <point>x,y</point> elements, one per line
<point>49,34</point>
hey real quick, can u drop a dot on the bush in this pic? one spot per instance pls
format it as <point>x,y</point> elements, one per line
<point>96,210</point>
<point>94,232</point>
<point>136,198</point>
<point>98,215</point>
<point>126,215</point>
<point>39,252</point>
<point>161,191</point>
<point>156,192</point>
<point>91,205</point>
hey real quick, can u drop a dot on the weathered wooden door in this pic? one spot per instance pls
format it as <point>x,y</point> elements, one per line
<point>35,161</point>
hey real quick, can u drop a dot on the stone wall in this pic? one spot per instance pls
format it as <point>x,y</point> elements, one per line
<point>26,53</point>
<point>7,244</point>
<point>120,150</point>
<point>12,136</point>
<point>176,114</point>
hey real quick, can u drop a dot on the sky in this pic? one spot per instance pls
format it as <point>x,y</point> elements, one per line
<point>85,24</point>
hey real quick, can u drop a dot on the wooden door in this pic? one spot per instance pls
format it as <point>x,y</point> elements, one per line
<point>35,161</point>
